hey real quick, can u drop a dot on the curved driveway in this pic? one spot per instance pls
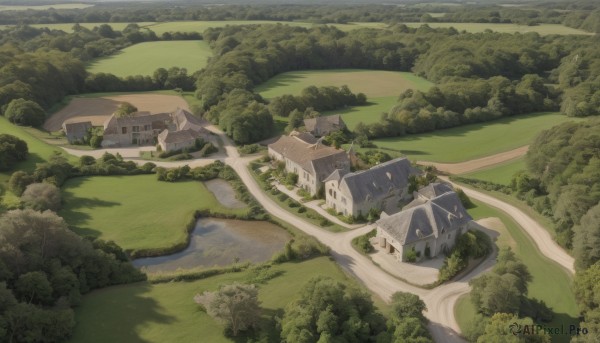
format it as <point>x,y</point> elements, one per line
<point>440,301</point>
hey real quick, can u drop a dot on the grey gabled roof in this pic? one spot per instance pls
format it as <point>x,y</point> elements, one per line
<point>435,189</point>
<point>185,120</point>
<point>377,182</point>
<point>324,123</point>
<point>439,215</point>
<point>318,159</point>
<point>187,135</point>
<point>77,128</point>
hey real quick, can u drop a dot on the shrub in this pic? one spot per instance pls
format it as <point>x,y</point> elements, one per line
<point>19,180</point>
<point>410,255</point>
<point>301,209</point>
<point>249,149</point>
<point>12,150</point>
<point>25,112</point>
<point>293,204</point>
<point>324,222</point>
<point>291,179</point>
<point>282,197</point>
<point>96,141</point>
<point>41,197</point>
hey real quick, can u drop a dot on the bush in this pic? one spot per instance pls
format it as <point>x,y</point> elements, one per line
<point>324,222</point>
<point>362,243</point>
<point>12,150</point>
<point>19,180</point>
<point>282,197</point>
<point>301,209</point>
<point>293,204</point>
<point>410,255</point>
<point>41,197</point>
<point>96,141</point>
<point>25,112</point>
<point>250,149</point>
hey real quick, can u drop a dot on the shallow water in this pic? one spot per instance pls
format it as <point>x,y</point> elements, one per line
<point>218,242</point>
<point>224,193</point>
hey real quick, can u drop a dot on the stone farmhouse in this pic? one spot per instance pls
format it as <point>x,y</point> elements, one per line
<point>143,128</point>
<point>321,126</point>
<point>383,187</point>
<point>312,161</point>
<point>429,225</point>
<point>76,131</point>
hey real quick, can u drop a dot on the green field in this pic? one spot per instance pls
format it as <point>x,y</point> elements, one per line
<point>473,141</point>
<point>137,212</point>
<point>43,7</point>
<point>542,29</point>
<point>544,272</point>
<point>145,58</point>
<point>501,173</point>
<point>381,87</point>
<point>374,83</point>
<point>167,313</point>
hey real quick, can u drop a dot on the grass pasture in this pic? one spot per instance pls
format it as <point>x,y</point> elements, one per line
<point>473,141</point>
<point>106,207</point>
<point>542,29</point>
<point>71,6</point>
<point>501,173</point>
<point>374,83</point>
<point>381,87</point>
<point>544,272</point>
<point>159,313</point>
<point>145,58</point>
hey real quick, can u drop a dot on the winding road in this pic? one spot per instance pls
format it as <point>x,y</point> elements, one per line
<point>440,301</point>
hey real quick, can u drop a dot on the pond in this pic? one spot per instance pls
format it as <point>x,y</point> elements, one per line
<point>224,193</point>
<point>219,242</point>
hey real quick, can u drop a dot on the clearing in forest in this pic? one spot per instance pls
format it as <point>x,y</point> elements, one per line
<point>374,83</point>
<point>98,107</point>
<point>472,141</point>
<point>145,58</point>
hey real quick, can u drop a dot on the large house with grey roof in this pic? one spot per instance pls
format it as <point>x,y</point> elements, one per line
<point>429,225</point>
<point>322,126</point>
<point>143,128</point>
<point>383,187</point>
<point>312,161</point>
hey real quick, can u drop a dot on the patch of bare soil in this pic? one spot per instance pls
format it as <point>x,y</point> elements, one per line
<point>97,110</point>
<point>480,163</point>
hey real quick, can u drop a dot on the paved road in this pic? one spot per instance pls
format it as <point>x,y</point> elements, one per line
<point>440,301</point>
<point>540,235</point>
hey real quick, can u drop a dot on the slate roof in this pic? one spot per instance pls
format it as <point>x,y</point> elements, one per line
<point>185,120</point>
<point>182,136</point>
<point>318,159</point>
<point>77,129</point>
<point>439,215</point>
<point>304,136</point>
<point>376,183</point>
<point>324,123</point>
<point>112,124</point>
<point>435,189</point>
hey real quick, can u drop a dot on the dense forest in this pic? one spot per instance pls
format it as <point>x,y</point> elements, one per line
<point>563,182</point>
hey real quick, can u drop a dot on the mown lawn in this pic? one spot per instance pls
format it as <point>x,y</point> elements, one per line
<point>501,173</point>
<point>167,313</point>
<point>145,58</point>
<point>542,29</point>
<point>137,212</point>
<point>472,141</point>
<point>551,283</point>
<point>374,83</point>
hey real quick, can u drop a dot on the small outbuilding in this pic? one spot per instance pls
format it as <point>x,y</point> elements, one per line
<point>77,131</point>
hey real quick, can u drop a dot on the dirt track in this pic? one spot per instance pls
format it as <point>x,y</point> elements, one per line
<point>480,163</point>
<point>97,110</point>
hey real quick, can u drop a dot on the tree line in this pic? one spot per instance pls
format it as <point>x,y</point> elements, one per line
<point>578,14</point>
